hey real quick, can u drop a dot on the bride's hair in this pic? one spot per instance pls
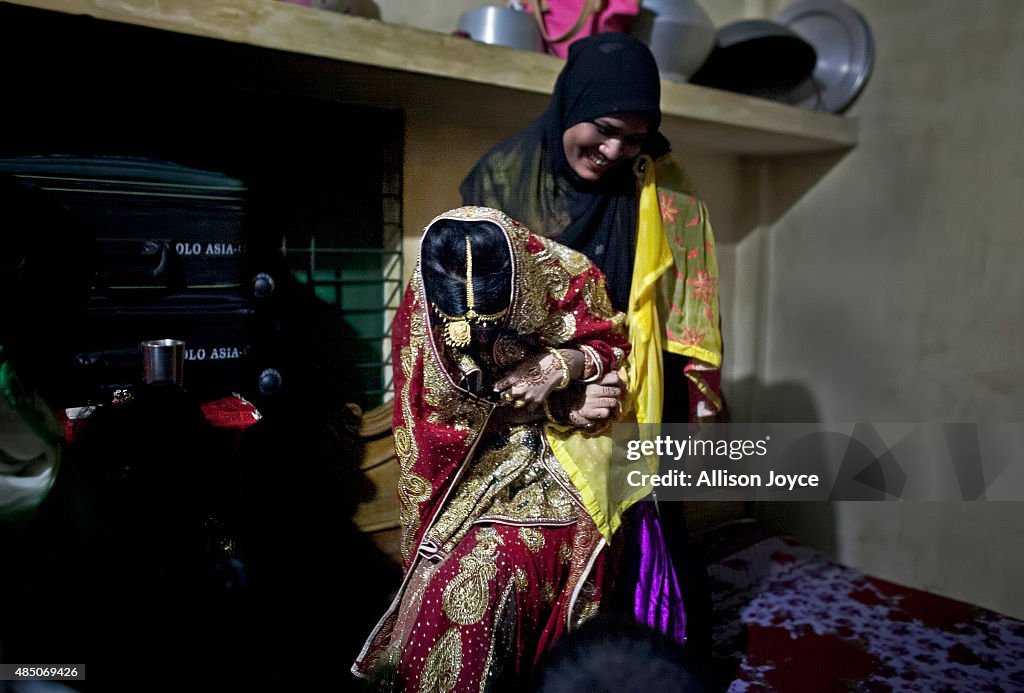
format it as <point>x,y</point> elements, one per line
<point>443,261</point>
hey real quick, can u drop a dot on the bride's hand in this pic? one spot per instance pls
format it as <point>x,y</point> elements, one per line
<point>529,384</point>
<point>599,403</point>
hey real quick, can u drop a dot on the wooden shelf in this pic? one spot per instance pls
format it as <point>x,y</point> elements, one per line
<point>430,75</point>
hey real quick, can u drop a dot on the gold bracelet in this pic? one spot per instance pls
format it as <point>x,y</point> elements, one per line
<point>566,375</point>
<point>589,363</point>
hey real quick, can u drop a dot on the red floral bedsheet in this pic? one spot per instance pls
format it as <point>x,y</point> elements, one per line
<point>789,618</point>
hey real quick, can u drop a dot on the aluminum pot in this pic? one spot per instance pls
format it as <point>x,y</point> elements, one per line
<point>679,33</point>
<point>501,26</point>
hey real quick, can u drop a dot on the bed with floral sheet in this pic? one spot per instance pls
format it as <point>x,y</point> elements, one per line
<point>790,618</point>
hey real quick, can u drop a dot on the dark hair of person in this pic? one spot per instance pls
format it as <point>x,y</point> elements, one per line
<point>443,262</point>
<point>611,654</point>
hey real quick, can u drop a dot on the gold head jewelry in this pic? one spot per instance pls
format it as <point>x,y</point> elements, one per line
<point>470,313</point>
<point>457,328</point>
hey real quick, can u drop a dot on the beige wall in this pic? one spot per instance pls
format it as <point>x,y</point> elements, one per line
<point>437,158</point>
<point>892,291</point>
<point>433,15</point>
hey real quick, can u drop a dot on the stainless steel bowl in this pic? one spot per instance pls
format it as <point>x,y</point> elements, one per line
<point>679,33</point>
<point>502,26</point>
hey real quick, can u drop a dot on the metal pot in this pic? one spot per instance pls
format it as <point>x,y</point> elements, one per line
<point>679,33</point>
<point>501,26</point>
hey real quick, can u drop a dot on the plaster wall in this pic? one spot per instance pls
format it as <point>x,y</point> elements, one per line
<point>891,292</point>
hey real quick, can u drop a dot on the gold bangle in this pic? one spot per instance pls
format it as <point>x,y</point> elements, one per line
<point>566,376</point>
<point>589,363</point>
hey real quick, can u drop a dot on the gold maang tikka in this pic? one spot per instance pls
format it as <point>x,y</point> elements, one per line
<point>457,329</point>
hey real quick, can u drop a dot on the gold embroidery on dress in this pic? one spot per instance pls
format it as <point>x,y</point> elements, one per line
<point>560,477</point>
<point>522,580</point>
<point>560,265</point>
<point>507,483</point>
<point>585,612</point>
<point>451,407</point>
<point>547,592</point>
<point>557,265</point>
<point>573,261</point>
<point>540,276</point>
<point>557,281</point>
<point>595,296</point>
<point>532,538</point>
<point>444,663</point>
<point>529,311</point>
<point>489,535</point>
<point>542,495</point>
<point>564,553</point>
<point>466,595</point>
<point>535,497</point>
<point>585,542</point>
<point>404,442</point>
<point>559,328</point>
<point>495,468</point>
<point>412,488</point>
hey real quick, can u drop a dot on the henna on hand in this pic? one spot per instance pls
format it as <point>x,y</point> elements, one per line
<point>529,383</point>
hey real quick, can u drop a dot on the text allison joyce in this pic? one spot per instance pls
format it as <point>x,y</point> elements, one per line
<point>721,478</point>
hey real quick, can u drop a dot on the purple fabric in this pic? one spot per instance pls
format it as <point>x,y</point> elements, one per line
<point>657,599</point>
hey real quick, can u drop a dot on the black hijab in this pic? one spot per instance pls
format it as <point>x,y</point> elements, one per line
<point>528,177</point>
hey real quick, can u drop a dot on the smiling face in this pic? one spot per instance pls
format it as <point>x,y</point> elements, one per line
<point>595,146</point>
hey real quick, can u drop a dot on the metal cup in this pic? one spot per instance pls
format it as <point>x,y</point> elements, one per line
<point>162,360</point>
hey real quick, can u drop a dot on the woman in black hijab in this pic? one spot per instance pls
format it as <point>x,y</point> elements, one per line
<point>572,175</point>
<point>577,174</point>
<point>531,178</point>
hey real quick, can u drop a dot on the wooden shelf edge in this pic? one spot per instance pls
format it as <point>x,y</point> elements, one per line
<point>308,31</point>
<point>734,122</point>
